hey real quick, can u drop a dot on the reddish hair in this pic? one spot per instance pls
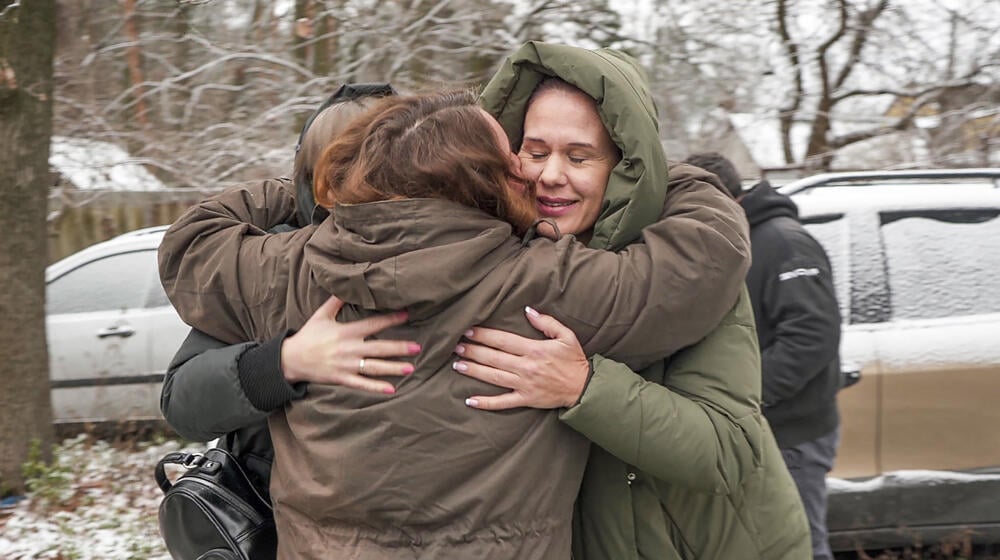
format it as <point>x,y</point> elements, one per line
<point>436,145</point>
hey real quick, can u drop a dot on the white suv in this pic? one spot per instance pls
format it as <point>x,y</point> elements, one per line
<point>111,331</point>
<point>916,262</point>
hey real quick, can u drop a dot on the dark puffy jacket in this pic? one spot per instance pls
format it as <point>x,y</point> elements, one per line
<point>798,321</point>
<point>352,471</point>
<point>216,390</point>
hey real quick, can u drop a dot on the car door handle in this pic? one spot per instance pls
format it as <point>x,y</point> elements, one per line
<point>849,375</point>
<point>122,331</point>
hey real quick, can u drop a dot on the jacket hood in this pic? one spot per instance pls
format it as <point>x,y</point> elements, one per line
<point>414,254</point>
<point>638,184</point>
<point>763,203</point>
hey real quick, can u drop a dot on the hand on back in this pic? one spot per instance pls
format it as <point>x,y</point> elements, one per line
<point>325,351</point>
<point>550,373</point>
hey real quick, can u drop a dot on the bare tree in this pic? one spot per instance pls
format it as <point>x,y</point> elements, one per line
<point>134,57</point>
<point>27,42</point>
<point>846,71</point>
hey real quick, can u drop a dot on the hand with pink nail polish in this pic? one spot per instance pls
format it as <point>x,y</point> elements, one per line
<point>548,373</point>
<point>333,353</point>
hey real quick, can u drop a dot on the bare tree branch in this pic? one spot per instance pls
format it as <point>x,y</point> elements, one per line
<point>787,114</point>
<point>902,123</point>
<point>865,21</point>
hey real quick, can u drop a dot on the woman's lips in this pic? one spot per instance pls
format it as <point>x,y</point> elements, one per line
<point>554,207</point>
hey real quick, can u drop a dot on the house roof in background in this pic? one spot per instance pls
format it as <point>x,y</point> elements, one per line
<point>92,165</point>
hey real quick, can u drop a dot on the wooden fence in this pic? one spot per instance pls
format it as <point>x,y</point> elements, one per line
<point>80,218</point>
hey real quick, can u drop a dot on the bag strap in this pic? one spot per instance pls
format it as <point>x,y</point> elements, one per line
<point>188,460</point>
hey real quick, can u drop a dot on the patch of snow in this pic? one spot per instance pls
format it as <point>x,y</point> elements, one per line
<point>106,510</point>
<point>933,275</point>
<point>905,478</point>
<point>92,164</point>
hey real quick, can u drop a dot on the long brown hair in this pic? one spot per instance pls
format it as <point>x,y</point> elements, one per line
<point>436,145</point>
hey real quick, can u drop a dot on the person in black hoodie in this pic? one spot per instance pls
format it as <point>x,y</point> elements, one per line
<point>798,327</point>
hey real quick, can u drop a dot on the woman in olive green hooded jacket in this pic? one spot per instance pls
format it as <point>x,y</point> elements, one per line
<point>682,509</point>
<point>685,465</point>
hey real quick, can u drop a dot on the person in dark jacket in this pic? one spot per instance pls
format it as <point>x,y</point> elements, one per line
<point>746,503</point>
<point>798,326</point>
<point>419,475</point>
<point>216,390</point>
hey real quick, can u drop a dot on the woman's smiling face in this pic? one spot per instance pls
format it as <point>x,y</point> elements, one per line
<point>569,154</point>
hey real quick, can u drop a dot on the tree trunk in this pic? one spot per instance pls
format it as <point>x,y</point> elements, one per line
<point>27,43</point>
<point>819,155</point>
<point>133,57</point>
<point>182,53</point>
<point>324,29</point>
<point>301,32</point>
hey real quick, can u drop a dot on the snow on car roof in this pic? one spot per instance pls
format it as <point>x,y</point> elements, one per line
<point>902,195</point>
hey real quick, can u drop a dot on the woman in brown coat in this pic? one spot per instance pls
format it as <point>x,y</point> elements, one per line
<point>426,201</point>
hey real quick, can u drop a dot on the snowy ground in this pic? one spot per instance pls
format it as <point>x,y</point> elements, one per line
<point>97,502</point>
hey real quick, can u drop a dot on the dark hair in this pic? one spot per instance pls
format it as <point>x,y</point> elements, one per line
<point>325,124</point>
<point>714,162</point>
<point>436,145</point>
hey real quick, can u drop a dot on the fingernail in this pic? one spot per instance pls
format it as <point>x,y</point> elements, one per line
<point>531,312</point>
<point>469,333</point>
<point>472,403</point>
<point>389,390</point>
<point>407,370</point>
<point>459,366</point>
<point>413,348</point>
<point>403,315</point>
<point>460,349</point>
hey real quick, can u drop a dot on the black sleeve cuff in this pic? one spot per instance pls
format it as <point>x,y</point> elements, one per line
<point>590,375</point>
<point>261,377</point>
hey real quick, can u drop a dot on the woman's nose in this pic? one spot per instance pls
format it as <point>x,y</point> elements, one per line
<point>552,173</point>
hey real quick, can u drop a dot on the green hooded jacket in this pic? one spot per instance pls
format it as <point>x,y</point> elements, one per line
<point>685,465</point>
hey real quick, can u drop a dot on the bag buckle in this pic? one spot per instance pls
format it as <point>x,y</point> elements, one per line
<point>192,460</point>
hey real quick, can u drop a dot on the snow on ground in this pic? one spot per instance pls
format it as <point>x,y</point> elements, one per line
<point>97,502</point>
<point>91,164</point>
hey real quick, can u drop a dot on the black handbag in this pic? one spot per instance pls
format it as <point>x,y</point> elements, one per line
<point>213,511</point>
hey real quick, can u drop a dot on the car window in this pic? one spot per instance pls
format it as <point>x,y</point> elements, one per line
<point>942,263</point>
<point>114,282</point>
<point>832,233</point>
<point>156,296</point>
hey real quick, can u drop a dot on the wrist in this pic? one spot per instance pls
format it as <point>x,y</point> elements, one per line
<point>286,363</point>
<point>582,379</point>
<point>261,378</point>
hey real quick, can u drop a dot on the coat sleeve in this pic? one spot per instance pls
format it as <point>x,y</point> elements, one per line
<point>799,301</point>
<point>657,296</point>
<point>702,429</point>
<point>677,283</point>
<point>212,388</point>
<point>201,255</point>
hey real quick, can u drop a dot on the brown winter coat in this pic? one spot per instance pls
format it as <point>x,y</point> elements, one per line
<point>418,474</point>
